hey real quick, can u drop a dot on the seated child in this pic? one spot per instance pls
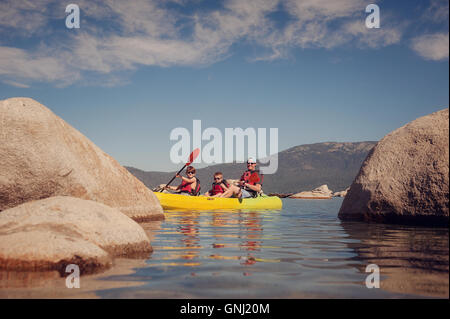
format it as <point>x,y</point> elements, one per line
<point>218,187</point>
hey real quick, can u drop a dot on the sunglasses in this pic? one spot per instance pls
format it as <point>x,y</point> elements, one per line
<point>251,163</point>
<point>217,178</point>
<point>190,173</point>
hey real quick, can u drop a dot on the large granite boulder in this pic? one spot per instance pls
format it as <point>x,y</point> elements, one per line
<point>54,232</point>
<point>321,192</point>
<point>43,156</point>
<point>405,178</point>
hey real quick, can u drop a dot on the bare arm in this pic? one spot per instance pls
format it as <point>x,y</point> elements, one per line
<point>188,180</point>
<point>225,187</point>
<point>256,188</point>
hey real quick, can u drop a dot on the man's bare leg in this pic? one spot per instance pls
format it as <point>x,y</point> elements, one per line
<point>233,190</point>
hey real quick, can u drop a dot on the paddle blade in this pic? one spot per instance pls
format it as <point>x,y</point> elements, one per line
<point>193,156</point>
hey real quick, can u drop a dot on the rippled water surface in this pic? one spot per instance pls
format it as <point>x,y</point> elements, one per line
<point>302,251</point>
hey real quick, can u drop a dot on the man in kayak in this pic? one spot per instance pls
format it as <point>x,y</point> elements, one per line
<point>190,185</point>
<point>250,183</point>
<point>219,186</point>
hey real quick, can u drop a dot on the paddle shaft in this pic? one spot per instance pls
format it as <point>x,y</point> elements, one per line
<point>192,158</point>
<point>174,177</point>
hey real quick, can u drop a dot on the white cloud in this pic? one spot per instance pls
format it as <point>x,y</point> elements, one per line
<point>16,84</point>
<point>21,15</point>
<point>119,35</point>
<point>311,10</point>
<point>327,24</point>
<point>19,64</point>
<point>27,18</point>
<point>432,46</point>
<point>372,38</point>
<point>437,12</point>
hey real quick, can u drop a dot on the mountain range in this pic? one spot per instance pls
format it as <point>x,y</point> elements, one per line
<point>300,168</point>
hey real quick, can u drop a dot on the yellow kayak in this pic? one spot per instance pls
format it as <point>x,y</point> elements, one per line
<point>181,202</point>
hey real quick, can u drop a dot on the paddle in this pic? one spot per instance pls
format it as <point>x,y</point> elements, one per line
<point>192,158</point>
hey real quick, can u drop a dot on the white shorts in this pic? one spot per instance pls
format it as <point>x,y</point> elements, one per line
<point>246,194</point>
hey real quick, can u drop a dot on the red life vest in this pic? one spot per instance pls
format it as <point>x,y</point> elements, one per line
<point>255,177</point>
<point>186,187</point>
<point>217,188</point>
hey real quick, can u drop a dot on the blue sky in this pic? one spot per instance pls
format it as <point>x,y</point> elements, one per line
<point>137,69</point>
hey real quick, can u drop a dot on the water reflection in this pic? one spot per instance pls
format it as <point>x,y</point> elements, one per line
<point>249,233</point>
<point>412,260</point>
<point>50,284</point>
<point>189,229</point>
<point>302,251</point>
<point>187,243</point>
<point>232,236</point>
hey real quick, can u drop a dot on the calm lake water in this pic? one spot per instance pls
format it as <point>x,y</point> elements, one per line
<point>303,251</point>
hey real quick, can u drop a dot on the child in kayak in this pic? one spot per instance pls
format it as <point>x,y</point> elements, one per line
<point>249,185</point>
<point>219,186</point>
<point>190,185</point>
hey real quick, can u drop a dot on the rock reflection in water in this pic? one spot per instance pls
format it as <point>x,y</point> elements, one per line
<point>303,251</point>
<point>412,260</point>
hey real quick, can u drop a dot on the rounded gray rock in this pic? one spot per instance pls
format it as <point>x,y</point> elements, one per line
<point>405,177</point>
<point>53,232</point>
<point>43,156</point>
